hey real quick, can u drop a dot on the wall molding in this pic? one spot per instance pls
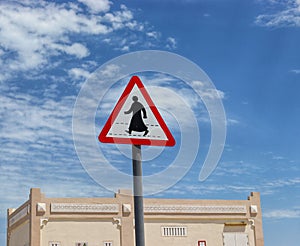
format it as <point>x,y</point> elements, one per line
<point>194,209</point>
<point>19,215</point>
<point>84,208</point>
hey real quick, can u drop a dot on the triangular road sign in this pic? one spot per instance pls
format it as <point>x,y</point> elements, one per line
<point>136,120</point>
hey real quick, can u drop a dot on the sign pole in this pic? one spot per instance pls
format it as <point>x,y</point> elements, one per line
<point>138,195</point>
<point>118,129</point>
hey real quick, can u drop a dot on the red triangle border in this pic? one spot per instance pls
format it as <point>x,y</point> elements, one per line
<point>135,80</point>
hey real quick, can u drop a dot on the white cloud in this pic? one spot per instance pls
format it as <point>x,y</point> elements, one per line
<point>171,43</point>
<point>79,73</point>
<point>110,70</point>
<point>121,19</point>
<point>32,32</point>
<point>282,214</point>
<point>26,118</point>
<point>208,93</point>
<point>278,158</point>
<point>37,148</point>
<point>282,183</point>
<point>35,32</point>
<point>125,48</point>
<point>237,186</point>
<point>153,34</point>
<point>76,49</point>
<point>200,189</point>
<point>213,94</point>
<point>231,122</point>
<point>289,15</point>
<point>296,71</point>
<point>97,6</point>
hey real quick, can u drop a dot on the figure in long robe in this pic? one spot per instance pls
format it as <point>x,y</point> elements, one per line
<point>136,123</point>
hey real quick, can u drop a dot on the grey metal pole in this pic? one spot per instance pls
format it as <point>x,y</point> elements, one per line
<point>138,195</point>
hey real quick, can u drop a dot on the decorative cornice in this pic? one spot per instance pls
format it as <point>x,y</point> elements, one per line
<point>20,215</point>
<point>126,208</point>
<point>84,208</point>
<point>41,207</point>
<point>118,222</point>
<point>253,209</point>
<point>43,222</point>
<point>252,223</point>
<point>194,209</point>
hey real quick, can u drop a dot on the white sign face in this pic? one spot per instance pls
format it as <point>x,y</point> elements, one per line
<point>144,118</point>
<point>136,120</point>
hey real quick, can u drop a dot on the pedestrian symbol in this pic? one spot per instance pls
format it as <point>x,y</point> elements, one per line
<point>137,124</point>
<point>136,120</point>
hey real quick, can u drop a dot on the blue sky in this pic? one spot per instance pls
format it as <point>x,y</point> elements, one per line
<point>249,49</point>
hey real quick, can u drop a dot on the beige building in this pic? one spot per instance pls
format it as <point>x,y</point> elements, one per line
<point>43,221</point>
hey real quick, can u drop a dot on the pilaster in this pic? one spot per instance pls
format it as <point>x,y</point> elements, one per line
<point>127,228</point>
<point>257,216</point>
<point>35,237</point>
<point>8,233</point>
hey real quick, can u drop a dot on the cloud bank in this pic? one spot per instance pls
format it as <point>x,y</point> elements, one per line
<point>285,13</point>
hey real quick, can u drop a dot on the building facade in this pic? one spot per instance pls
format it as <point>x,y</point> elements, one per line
<point>43,221</point>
